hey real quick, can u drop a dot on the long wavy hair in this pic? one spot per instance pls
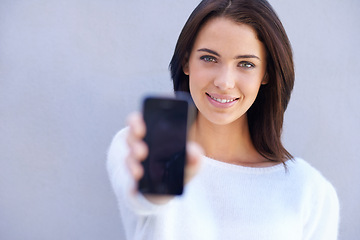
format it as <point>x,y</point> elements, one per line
<point>265,116</point>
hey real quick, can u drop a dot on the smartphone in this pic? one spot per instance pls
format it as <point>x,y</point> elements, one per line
<point>166,122</point>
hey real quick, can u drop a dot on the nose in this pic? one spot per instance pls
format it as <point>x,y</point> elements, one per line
<point>225,79</point>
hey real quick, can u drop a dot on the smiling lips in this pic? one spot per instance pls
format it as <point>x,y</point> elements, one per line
<point>222,100</point>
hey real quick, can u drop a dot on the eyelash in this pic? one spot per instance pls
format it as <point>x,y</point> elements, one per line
<point>208,58</point>
<point>244,64</point>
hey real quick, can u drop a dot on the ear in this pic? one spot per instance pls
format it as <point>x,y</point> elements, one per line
<point>265,79</point>
<point>185,64</point>
<point>185,68</point>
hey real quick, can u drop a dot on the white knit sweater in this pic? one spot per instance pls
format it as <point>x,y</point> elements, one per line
<point>226,201</point>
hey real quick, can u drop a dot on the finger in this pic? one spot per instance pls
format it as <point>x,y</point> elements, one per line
<point>135,168</point>
<point>139,150</point>
<point>137,125</point>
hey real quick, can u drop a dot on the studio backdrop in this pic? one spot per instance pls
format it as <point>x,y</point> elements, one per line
<point>72,70</point>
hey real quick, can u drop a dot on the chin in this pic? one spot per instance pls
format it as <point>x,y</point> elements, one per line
<point>222,119</point>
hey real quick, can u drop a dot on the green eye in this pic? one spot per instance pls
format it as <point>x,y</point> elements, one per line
<point>208,58</point>
<point>245,64</point>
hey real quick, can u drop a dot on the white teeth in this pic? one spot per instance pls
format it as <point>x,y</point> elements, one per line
<point>222,100</point>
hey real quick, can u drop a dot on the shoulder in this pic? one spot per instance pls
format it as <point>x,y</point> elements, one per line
<point>312,183</point>
<point>305,173</point>
<point>302,170</point>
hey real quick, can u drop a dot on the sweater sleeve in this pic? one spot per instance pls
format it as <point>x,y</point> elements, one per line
<point>323,222</point>
<point>122,183</point>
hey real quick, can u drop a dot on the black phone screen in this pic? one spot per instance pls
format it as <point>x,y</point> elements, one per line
<point>166,132</point>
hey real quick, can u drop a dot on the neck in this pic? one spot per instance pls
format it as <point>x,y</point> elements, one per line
<point>229,143</point>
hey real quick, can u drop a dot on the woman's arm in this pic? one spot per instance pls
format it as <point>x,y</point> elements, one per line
<point>123,181</point>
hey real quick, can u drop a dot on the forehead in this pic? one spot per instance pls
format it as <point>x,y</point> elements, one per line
<point>225,34</point>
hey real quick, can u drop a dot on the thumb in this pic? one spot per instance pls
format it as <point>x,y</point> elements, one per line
<point>194,158</point>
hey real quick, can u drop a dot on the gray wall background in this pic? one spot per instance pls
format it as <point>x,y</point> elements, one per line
<point>71,71</point>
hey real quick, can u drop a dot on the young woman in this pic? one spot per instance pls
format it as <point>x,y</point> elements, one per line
<point>235,60</point>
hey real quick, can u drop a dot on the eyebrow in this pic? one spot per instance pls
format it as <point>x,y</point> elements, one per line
<point>237,57</point>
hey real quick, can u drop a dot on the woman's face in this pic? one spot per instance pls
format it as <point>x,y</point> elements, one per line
<point>226,68</point>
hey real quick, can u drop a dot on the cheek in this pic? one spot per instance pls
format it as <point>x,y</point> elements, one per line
<point>249,88</point>
<point>198,79</point>
<point>254,87</point>
<point>252,82</point>
<point>195,88</point>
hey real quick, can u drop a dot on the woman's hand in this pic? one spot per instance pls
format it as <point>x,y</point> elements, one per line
<point>138,151</point>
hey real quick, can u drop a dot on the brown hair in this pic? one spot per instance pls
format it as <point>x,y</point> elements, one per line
<point>265,116</point>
